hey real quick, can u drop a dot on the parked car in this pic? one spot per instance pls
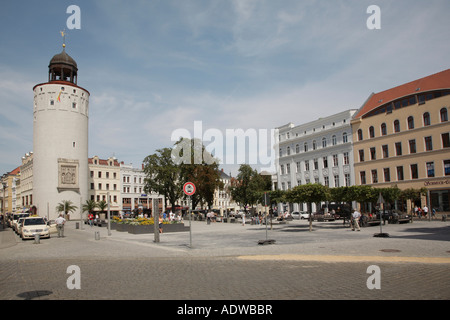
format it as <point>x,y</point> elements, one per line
<point>304,215</point>
<point>295,215</point>
<point>52,226</point>
<point>34,225</point>
<point>18,225</point>
<point>15,218</point>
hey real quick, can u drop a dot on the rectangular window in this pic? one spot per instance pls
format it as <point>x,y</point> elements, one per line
<point>335,160</point>
<point>447,167</point>
<point>361,155</point>
<point>362,176</point>
<point>316,164</point>
<point>430,169</point>
<point>374,176</point>
<point>398,148</point>
<point>347,179</point>
<point>325,162</point>
<point>445,140</point>
<point>412,146</point>
<point>387,175</point>
<point>373,154</point>
<point>400,176</point>
<point>428,144</point>
<point>385,151</point>
<point>336,181</point>
<point>414,172</point>
<point>346,158</point>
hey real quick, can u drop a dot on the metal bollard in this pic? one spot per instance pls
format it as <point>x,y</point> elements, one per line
<point>37,238</point>
<point>97,235</point>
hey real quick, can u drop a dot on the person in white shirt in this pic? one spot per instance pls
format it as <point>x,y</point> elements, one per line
<point>60,221</point>
<point>355,220</point>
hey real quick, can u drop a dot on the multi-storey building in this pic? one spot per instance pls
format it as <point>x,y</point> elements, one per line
<point>26,180</point>
<point>132,191</point>
<point>316,152</point>
<point>104,179</point>
<point>10,187</point>
<point>401,137</point>
<point>223,202</point>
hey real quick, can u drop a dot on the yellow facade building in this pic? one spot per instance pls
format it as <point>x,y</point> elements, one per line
<point>401,137</point>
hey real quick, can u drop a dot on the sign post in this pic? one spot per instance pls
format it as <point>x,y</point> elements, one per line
<point>381,202</point>
<point>266,202</point>
<point>189,190</point>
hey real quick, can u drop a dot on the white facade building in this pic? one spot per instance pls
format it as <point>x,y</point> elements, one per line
<point>132,191</point>
<point>316,152</point>
<point>60,138</point>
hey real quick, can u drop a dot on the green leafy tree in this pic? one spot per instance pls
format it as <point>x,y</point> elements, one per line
<point>309,193</point>
<point>66,206</point>
<point>247,186</point>
<point>202,171</point>
<point>102,205</point>
<point>89,206</point>
<point>163,176</point>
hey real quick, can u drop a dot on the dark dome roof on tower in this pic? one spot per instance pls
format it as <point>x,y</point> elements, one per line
<point>63,58</point>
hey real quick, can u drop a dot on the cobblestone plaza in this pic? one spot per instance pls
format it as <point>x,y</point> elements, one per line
<point>225,262</point>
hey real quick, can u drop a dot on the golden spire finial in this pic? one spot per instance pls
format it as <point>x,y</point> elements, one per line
<point>63,34</point>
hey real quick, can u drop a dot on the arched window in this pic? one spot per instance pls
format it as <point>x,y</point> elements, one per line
<point>371,132</point>
<point>305,146</point>
<point>396,126</point>
<point>410,122</point>
<point>344,137</point>
<point>288,151</point>
<point>444,115</point>
<point>383,129</point>
<point>314,145</point>
<point>324,142</point>
<point>297,148</point>
<point>426,119</point>
<point>360,135</point>
<point>333,140</point>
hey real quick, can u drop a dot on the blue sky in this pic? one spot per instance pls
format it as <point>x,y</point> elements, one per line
<point>156,66</point>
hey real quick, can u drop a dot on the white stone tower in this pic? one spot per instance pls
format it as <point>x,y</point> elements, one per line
<point>60,139</point>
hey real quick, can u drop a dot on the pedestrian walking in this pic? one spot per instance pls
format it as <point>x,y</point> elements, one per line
<point>91,219</point>
<point>425,211</point>
<point>60,221</point>
<point>160,224</point>
<point>355,220</point>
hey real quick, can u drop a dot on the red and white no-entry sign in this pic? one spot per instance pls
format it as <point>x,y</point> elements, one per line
<point>189,188</point>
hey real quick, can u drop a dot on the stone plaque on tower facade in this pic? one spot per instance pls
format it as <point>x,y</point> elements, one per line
<point>68,175</point>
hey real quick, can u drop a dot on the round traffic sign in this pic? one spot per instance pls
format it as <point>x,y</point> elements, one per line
<point>189,188</point>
